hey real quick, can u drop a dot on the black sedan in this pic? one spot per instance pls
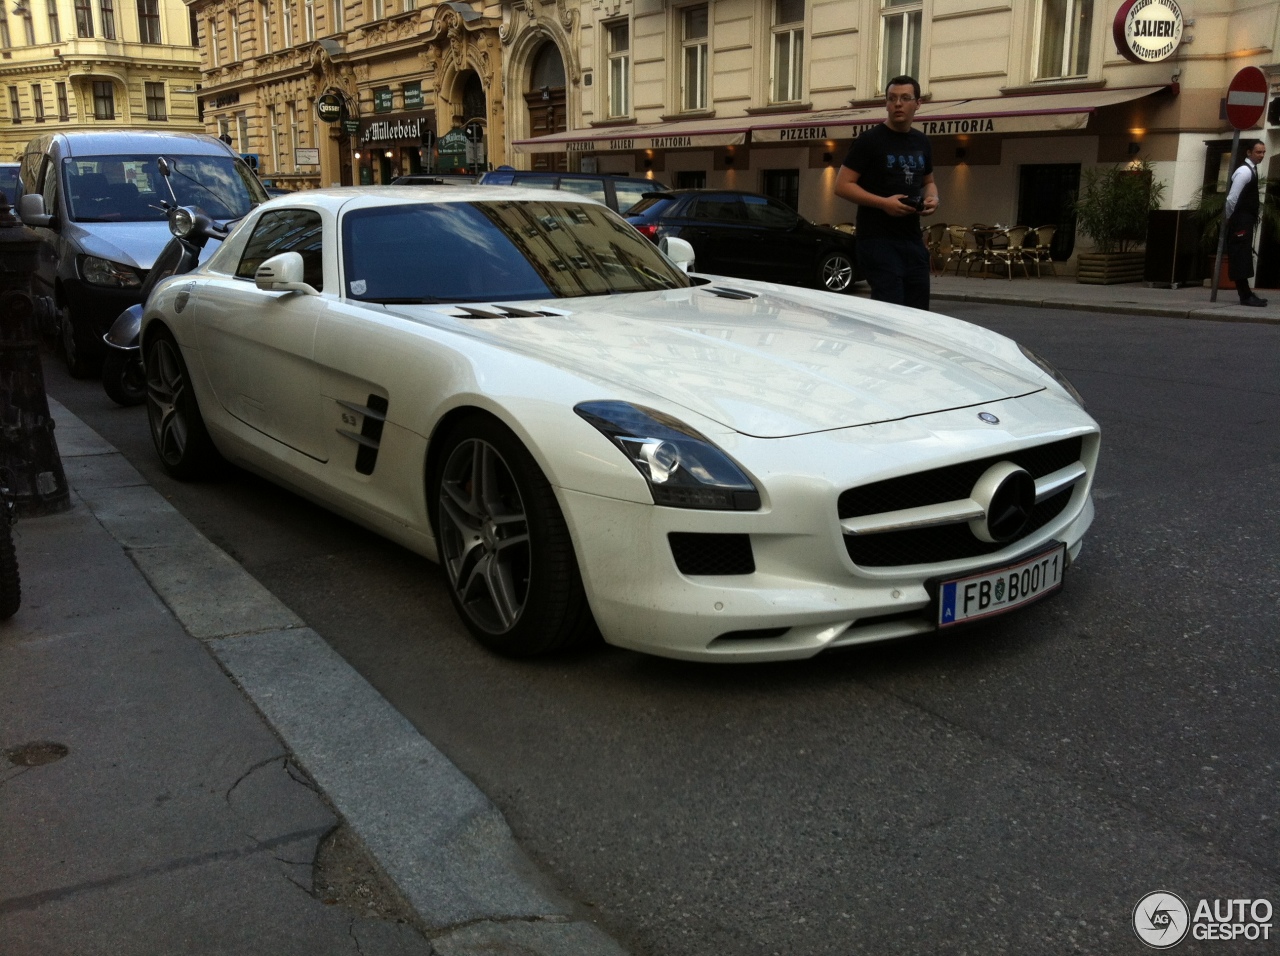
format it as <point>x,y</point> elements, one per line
<point>749,236</point>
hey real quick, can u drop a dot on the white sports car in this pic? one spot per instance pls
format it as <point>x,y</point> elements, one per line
<point>523,388</point>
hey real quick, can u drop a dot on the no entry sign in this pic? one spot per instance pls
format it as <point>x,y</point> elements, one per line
<point>1246,98</point>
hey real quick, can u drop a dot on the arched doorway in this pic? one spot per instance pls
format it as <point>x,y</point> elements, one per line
<point>547,104</point>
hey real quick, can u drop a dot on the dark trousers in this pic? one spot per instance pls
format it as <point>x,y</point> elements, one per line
<point>896,269</point>
<point>1240,257</point>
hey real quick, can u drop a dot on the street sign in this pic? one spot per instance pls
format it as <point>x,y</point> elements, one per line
<point>1247,98</point>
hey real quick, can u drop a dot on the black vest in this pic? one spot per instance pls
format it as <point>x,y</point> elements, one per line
<point>1246,212</point>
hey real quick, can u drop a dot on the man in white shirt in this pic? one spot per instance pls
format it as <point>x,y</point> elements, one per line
<point>1242,210</point>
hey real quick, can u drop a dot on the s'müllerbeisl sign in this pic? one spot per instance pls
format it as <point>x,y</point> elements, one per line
<point>1147,31</point>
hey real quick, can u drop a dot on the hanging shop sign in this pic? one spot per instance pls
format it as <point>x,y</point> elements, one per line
<point>400,129</point>
<point>329,107</point>
<point>412,95</point>
<point>1147,31</point>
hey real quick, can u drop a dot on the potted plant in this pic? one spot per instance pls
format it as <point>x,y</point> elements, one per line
<point>1112,210</point>
<point>1207,209</point>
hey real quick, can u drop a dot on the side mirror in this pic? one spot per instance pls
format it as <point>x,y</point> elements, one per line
<point>678,251</point>
<point>283,273</point>
<point>31,210</point>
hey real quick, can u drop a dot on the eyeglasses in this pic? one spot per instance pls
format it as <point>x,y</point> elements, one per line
<point>893,100</point>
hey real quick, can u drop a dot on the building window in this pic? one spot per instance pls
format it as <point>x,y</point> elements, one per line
<point>5,40</point>
<point>155,101</point>
<point>60,91</point>
<point>410,5</point>
<point>149,21</point>
<point>233,31</point>
<point>293,136</point>
<point>286,22</point>
<point>84,19</point>
<point>242,132</point>
<point>275,140</point>
<point>211,30</point>
<point>28,27</point>
<point>37,101</point>
<point>336,13</point>
<point>619,39</point>
<point>900,40</point>
<point>265,46</point>
<point>104,100</point>
<point>55,32</point>
<point>379,9</point>
<point>15,106</point>
<point>309,18</point>
<point>1066,27</point>
<point>788,50</point>
<point>108,9</point>
<point>693,75</point>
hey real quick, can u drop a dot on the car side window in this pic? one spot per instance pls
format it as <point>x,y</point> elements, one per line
<point>629,194</point>
<point>719,208</point>
<point>49,186</point>
<point>286,230</point>
<point>584,187</point>
<point>763,211</point>
<point>535,182</point>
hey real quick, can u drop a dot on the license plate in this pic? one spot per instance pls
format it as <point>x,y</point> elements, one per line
<point>994,592</point>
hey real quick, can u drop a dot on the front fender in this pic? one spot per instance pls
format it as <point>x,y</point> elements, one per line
<point>126,331</point>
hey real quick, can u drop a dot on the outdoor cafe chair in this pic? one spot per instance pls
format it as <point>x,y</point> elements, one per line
<point>1041,251</point>
<point>963,247</point>
<point>938,242</point>
<point>1008,249</point>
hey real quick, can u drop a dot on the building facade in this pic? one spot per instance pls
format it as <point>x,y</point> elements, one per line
<point>95,64</point>
<point>1019,96</point>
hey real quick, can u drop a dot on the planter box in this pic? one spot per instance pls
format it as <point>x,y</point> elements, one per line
<point>1110,268</point>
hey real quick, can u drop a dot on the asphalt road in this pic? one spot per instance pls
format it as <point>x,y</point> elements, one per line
<point>1016,788</point>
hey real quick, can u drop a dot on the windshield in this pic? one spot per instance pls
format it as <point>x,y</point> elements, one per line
<point>497,250</point>
<point>130,188</point>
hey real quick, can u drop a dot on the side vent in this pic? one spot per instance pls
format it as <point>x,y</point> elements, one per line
<point>724,293</point>
<point>698,554</point>
<point>369,438</point>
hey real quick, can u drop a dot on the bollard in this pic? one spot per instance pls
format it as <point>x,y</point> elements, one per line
<point>29,464</point>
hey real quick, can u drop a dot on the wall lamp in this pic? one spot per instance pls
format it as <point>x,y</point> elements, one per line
<point>961,152</point>
<point>1134,148</point>
<point>827,157</point>
<point>389,154</point>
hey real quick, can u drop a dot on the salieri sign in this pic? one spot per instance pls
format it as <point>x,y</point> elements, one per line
<point>1147,31</point>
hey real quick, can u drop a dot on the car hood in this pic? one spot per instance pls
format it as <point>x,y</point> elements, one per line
<point>783,362</point>
<point>132,243</point>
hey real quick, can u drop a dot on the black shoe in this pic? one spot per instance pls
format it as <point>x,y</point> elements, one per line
<point>1254,300</point>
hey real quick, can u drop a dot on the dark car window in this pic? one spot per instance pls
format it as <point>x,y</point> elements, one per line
<point>629,195</point>
<point>494,251</point>
<point>286,230</point>
<point>650,206</point>
<point>9,183</point>
<point>594,188</point>
<point>131,189</point>
<point>763,211</point>
<point>719,208</point>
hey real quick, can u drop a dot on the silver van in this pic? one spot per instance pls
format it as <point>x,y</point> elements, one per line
<point>97,200</point>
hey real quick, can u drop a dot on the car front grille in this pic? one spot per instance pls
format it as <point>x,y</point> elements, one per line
<point>954,482</point>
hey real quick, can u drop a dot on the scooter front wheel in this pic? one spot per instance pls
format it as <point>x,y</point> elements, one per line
<point>123,377</point>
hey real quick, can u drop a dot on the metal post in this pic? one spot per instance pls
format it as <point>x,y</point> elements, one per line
<point>29,463</point>
<point>1222,229</point>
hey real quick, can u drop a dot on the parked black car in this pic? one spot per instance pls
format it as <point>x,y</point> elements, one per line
<point>619,193</point>
<point>750,236</point>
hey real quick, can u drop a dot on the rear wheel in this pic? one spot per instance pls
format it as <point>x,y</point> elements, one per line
<point>123,377</point>
<point>835,272</point>
<point>513,576</point>
<point>186,451</point>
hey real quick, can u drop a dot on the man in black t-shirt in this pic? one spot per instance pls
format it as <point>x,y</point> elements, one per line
<point>889,174</point>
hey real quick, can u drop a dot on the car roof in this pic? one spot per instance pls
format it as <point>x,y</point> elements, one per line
<point>547,173</point>
<point>335,198</point>
<point>126,141</point>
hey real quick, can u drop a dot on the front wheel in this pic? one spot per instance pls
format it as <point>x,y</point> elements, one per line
<point>177,429</point>
<point>123,377</point>
<point>513,576</point>
<point>835,272</point>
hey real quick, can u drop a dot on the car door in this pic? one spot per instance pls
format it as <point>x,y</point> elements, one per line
<point>778,249</point>
<point>258,347</point>
<point>715,224</point>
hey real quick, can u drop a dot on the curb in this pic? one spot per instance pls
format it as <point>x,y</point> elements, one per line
<point>1207,313</point>
<point>440,840</point>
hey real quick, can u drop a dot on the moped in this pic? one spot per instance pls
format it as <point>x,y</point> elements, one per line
<point>123,376</point>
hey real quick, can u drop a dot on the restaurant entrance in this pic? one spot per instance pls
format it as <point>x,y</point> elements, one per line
<point>1045,194</point>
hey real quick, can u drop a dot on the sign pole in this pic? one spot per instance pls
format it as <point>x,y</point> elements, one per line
<point>1222,230</point>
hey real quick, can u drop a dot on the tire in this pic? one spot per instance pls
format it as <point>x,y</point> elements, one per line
<point>512,573</point>
<point>10,583</point>
<point>836,272</point>
<point>123,377</point>
<point>177,429</point>
<point>82,349</point>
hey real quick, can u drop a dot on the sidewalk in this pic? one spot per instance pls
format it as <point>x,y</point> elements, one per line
<point>185,767</point>
<point>1134,298</point>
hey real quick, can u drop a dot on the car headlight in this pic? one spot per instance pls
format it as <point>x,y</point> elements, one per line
<point>683,468</point>
<point>1051,370</point>
<point>104,272</point>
